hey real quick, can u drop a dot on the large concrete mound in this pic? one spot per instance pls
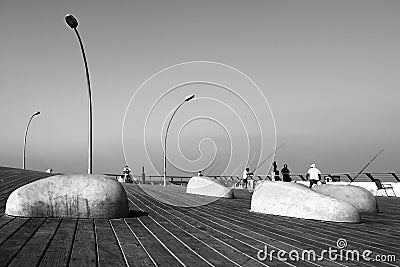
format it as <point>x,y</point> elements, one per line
<point>293,200</point>
<point>207,186</point>
<point>357,196</point>
<point>71,196</point>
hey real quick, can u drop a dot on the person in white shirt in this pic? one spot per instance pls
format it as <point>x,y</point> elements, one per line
<point>314,175</point>
<point>245,176</point>
<point>127,176</point>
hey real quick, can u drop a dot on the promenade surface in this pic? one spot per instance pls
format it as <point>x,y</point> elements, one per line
<point>222,233</point>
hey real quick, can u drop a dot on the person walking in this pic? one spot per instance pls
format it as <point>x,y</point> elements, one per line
<point>286,173</point>
<point>314,175</point>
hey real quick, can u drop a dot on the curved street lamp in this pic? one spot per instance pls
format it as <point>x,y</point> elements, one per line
<point>188,98</point>
<point>26,133</point>
<point>73,23</point>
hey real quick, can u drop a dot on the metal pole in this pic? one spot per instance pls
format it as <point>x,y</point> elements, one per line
<point>143,176</point>
<point>188,98</point>
<point>165,143</point>
<point>73,23</point>
<point>26,134</point>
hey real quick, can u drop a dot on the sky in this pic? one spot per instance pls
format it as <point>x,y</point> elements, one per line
<point>320,77</point>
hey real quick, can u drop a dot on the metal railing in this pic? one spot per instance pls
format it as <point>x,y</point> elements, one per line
<point>335,177</point>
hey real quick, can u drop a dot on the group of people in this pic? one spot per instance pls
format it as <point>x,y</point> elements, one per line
<point>313,175</point>
<point>285,173</point>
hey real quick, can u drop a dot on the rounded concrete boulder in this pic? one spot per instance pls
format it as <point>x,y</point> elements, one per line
<point>207,186</point>
<point>294,200</point>
<point>357,196</point>
<point>70,196</point>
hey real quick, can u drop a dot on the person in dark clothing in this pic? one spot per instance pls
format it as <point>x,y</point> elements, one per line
<point>275,172</point>
<point>286,173</point>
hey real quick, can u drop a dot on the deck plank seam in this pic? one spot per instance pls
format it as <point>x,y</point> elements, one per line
<point>223,241</point>
<point>183,243</point>
<point>48,244</point>
<point>235,263</point>
<point>15,231</point>
<point>72,242</point>
<point>24,243</point>
<point>119,244</point>
<point>96,245</point>
<point>162,243</point>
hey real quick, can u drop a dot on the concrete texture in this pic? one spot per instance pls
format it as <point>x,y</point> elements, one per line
<point>71,196</point>
<point>294,200</point>
<point>207,186</point>
<point>357,196</point>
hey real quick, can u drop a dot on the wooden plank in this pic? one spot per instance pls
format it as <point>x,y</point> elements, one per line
<point>109,252</point>
<point>203,245</point>
<point>242,234</point>
<point>18,180</point>
<point>200,248</point>
<point>84,248</point>
<point>33,250</point>
<point>10,228</point>
<point>160,254</point>
<point>14,243</point>
<point>201,232</point>
<point>134,253</point>
<point>59,251</point>
<point>4,219</point>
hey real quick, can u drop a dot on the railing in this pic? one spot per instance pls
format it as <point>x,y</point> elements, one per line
<point>335,177</point>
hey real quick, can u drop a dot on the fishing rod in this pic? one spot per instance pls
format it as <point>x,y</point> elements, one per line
<point>367,165</point>
<point>268,157</point>
<point>233,173</point>
<point>212,169</point>
<point>248,163</point>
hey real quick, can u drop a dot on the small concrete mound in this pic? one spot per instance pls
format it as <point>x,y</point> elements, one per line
<point>70,196</point>
<point>207,186</point>
<point>294,200</point>
<point>357,196</point>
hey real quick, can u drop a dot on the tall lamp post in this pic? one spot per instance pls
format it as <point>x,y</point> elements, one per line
<point>26,133</point>
<point>73,23</point>
<point>188,98</point>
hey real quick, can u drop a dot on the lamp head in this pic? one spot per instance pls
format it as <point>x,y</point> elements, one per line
<point>36,113</point>
<point>71,21</point>
<point>189,97</point>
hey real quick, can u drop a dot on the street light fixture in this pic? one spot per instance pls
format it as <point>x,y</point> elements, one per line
<point>188,98</point>
<point>26,133</point>
<point>73,23</point>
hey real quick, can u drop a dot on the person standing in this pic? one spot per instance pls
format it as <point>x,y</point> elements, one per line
<point>286,173</point>
<point>245,176</point>
<point>275,172</point>
<point>314,175</point>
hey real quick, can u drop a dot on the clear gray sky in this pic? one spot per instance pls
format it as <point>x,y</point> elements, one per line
<point>330,71</point>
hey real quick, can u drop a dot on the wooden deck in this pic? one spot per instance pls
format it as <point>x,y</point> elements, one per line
<point>221,233</point>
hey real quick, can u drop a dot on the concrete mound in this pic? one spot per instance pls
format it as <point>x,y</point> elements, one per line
<point>293,200</point>
<point>70,196</point>
<point>207,186</point>
<point>357,196</point>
